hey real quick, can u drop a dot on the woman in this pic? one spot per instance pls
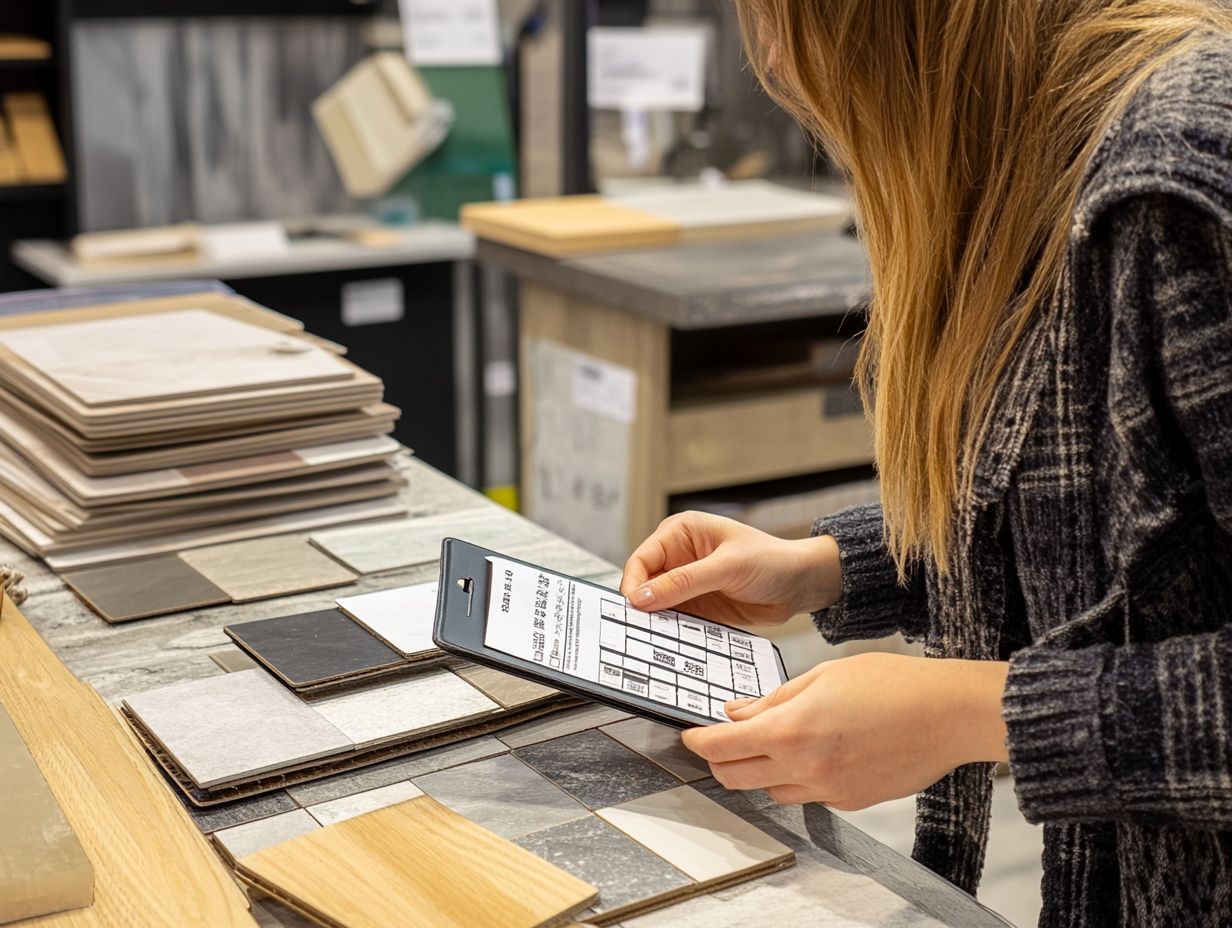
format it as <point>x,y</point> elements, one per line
<point>1045,192</point>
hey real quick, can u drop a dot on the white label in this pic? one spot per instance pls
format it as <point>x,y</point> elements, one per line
<point>607,389</point>
<point>243,241</point>
<point>371,302</point>
<point>451,33</point>
<point>500,378</point>
<point>656,68</point>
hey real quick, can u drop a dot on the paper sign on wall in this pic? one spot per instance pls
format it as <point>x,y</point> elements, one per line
<point>607,389</point>
<point>451,33</point>
<point>652,68</point>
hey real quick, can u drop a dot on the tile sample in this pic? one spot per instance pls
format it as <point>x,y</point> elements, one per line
<point>661,744</point>
<point>267,567</point>
<point>143,588</point>
<point>402,617</point>
<point>559,724</point>
<point>232,659</point>
<point>595,770</point>
<point>339,810</point>
<point>313,647</point>
<point>389,711</point>
<point>503,795</point>
<point>696,834</point>
<point>622,870</point>
<point>235,726</point>
<point>242,840</point>
<point>240,812</point>
<point>510,691</point>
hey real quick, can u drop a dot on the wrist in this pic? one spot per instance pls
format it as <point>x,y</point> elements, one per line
<point>822,573</point>
<point>985,733</point>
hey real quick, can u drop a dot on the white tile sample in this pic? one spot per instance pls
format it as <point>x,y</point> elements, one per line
<point>234,726</point>
<point>339,810</point>
<point>660,744</point>
<point>695,834</point>
<point>242,840</point>
<point>387,712</point>
<point>403,616</point>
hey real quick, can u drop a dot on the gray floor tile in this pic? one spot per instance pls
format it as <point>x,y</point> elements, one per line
<point>596,770</point>
<point>560,724</point>
<point>238,813</point>
<point>252,837</point>
<point>339,810</point>
<point>661,744</point>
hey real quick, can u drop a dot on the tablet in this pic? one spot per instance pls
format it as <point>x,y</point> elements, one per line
<point>585,639</point>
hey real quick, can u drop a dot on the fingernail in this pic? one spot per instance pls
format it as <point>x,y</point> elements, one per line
<point>642,596</point>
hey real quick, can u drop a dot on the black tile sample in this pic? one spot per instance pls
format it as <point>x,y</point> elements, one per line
<point>595,769</point>
<point>313,647</point>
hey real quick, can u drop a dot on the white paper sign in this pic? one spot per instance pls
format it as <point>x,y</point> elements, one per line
<point>372,302</point>
<point>451,33</point>
<point>608,389</point>
<point>653,68</point>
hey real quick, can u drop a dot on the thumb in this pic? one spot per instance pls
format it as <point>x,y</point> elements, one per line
<point>681,584</point>
<point>739,710</point>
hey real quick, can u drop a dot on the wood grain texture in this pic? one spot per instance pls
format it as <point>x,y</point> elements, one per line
<point>152,867</point>
<point>143,588</point>
<point>415,863</point>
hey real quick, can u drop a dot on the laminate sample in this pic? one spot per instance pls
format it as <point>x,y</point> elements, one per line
<point>339,810</point>
<point>401,617</point>
<point>508,690</point>
<point>503,795</point>
<point>234,726</point>
<point>623,871</point>
<point>43,868</point>
<point>232,660</point>
<point>697,835</point>
<point>144,588</point>
<point>251,837</point>
<point>393,710</point>
<point>313,647</point>
<point>561,724</point>
<point>596,770</point>
<point>661,744</point>
<point>415,857</point>
<point>267,567</point>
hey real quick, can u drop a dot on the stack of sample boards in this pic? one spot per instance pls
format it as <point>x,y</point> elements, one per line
<point>151,427</point>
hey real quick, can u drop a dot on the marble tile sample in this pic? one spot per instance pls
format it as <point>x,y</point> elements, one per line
<point>696,834</point>
<point>339,810</point>
<point>661,744</point>
<point>389,711</point>
<point>510,691</point>
<point>595,770</point>
<point>234,726</point>
<point>396,770</point>
<point>267,567</point>
<point>231,659</point>
<point>242,840</point>
<point>402,617</point>
<point>503,795</point>
<point>622,870</point>
<point>313,647</point>
<point>144,588</point>
<point>559,724</point>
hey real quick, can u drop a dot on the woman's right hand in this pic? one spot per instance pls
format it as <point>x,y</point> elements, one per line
<point>727,571</point>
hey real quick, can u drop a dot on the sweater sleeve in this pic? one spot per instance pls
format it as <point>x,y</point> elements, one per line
<point>873,603</point>
<point>1143,731</point>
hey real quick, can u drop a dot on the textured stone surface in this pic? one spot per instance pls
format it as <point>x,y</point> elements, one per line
<point>339,810</point>
<point>595,770</point>
<point>661,744</point>
<point>243,840</point>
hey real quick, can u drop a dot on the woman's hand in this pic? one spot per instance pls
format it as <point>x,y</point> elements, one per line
<point>723,570</point>
<point>861,730</point>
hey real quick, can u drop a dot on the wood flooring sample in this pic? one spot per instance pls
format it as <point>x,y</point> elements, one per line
<point>143,588</point>
<point>42,866</point>
<point>267,567</point>
<point>402,617</point>
<point>415,863</point>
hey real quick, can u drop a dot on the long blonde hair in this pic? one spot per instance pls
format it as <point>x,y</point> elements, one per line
<point>964,127</point>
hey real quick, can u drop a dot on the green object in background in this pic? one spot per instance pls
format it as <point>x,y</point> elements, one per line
<point>476,162</point>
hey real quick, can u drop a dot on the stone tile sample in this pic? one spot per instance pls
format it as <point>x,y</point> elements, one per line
<point>234,726</point>
<point>232,659</point>
<point>143,588</point>
<point>339,810</point>
<point>696,834</point>
<point>510,691</point>
<point>661,744</point>
<point>386,712</point>
<point>622,870</point>
<point>397,770</point>
<point>267,567</point>
<point>242,840</point>
<point>503,795</point>
<point>402,617</point>
<point>559,724</point>
<point>595,770</point>
<point>313,647</point>
<point>240,812</point>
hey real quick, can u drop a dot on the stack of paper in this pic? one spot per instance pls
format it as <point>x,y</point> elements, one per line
<point>165,424</point>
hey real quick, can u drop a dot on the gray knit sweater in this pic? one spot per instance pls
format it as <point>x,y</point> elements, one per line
<point>1096,552</point>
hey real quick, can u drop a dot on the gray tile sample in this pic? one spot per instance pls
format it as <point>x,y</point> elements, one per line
<point>510,691</point>
<point>314,647</point>
<point>560,724</point>
<point>143,588</point>
<point>243,840</point>
<point>397,770</point>
<point>263,568</point>
<point>240,812</point>
<point>503,795</point>
<point>232,659</point>
<point>660,744</point>
<point>595,770</point>
<point>234,726</point>
<point>339,810</point>
<point>621,869</point>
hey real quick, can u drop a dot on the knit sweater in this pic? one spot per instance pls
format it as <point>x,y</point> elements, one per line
<point>1095,552</point>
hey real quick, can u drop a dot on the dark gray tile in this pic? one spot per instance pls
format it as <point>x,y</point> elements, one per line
<point>144,588</point>
<point>622,870</point>
<point>313,647</point>
<point>240,812</point>
<point>596,770</point>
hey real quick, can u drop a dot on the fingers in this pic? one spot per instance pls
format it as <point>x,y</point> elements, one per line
<point>739,710</point>
<point>793,794</point>
<point>750,773</point>
<point>732,741</point>
<point>648,559</point>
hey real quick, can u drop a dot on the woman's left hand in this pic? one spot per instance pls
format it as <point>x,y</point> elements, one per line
<point>854,732</point>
